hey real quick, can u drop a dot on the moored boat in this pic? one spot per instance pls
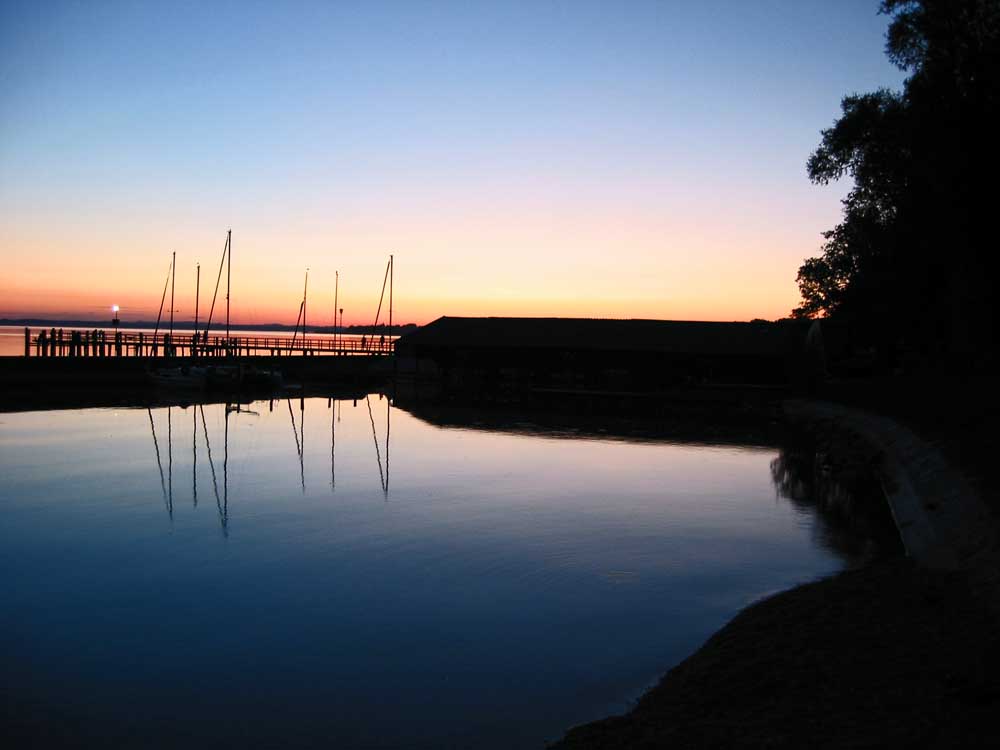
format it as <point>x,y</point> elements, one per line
<point>187,378</point>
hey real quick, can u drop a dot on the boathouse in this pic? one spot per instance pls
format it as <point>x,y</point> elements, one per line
<point>603,354</point>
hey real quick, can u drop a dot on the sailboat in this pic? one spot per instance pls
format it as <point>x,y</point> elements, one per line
<point>222,374</point>
<point>183,377</point>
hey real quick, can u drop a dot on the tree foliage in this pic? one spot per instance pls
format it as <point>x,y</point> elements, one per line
<point>915,243</point>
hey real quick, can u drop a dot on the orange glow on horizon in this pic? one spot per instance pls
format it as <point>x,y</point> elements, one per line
<point>511,260</point>
<point>85,306</point>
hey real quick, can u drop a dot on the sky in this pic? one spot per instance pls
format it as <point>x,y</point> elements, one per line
<point>593,159</point>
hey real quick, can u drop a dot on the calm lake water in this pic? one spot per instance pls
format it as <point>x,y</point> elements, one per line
<point>308,574</point>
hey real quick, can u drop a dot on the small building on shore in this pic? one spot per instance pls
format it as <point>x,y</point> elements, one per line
<point>603,355</point>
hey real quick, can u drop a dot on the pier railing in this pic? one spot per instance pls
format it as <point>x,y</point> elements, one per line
<point>58,342</point>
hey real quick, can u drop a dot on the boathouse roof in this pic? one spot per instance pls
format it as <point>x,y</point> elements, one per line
<point>759,338</point>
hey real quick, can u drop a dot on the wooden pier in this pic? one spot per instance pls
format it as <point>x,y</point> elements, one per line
<point>102,343</point>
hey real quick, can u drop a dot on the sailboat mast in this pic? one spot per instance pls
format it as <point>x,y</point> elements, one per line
<point>229,276</point>
<point>197,293</point>
<point>163,297</point>
<point>173,276</point>
<point>336,284</point>
<point>305,296</point>
<point>391,269</point>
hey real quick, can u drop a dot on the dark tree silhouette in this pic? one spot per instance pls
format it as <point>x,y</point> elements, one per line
<point>913,258</point>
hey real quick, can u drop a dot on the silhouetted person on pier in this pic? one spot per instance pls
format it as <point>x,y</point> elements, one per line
<point>43,346</point>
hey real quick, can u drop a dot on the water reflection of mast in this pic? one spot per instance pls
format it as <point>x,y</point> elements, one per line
<point>225,471</point>
<point>383,477</point>
<point>338,407</point>
<point>302,430</point>
<point>333,442</point>
<point>223,512</point>
<point>388,411</point>
<point>159,463</point>
<point>194,451</point>
<point>299,447</point>
<point>170,462</point>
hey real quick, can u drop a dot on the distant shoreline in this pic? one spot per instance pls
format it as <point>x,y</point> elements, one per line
<point>189,325</point>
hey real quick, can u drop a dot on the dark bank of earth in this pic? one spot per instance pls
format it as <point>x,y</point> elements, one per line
<point>891,654</point>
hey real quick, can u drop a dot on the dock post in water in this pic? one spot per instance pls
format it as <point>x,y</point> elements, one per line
<point>27,341</point>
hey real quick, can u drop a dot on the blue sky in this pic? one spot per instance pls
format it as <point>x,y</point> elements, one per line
<point>486,144</point>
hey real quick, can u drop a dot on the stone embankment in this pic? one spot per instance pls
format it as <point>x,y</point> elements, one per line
<point>943,522</point>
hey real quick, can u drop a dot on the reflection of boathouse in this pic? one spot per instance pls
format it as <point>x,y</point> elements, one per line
<point>576,354</point>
